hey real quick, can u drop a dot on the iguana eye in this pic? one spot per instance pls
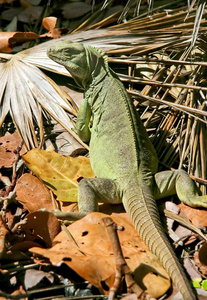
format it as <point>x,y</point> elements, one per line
<point>70,54</point>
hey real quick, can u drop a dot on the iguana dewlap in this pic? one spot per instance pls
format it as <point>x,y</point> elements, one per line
<point>122,156</point>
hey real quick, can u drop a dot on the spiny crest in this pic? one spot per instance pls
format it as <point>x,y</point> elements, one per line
<point>101,53</point>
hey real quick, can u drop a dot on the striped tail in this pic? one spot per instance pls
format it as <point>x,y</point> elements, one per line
<point>143,211</point>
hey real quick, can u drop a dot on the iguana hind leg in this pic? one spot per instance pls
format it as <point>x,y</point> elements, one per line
<point>94,190</point>
<point>178,182</point>
<point>90,192</point>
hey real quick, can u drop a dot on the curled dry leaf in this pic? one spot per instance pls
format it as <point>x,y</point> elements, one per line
<point>58,172</point>
<point>98,264</point>
<point>49,23</point>
<point>32,193</point>
<point>8,40</point>
<point>9,143</point>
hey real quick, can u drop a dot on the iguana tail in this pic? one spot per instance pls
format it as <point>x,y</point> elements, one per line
<point>144,214</point>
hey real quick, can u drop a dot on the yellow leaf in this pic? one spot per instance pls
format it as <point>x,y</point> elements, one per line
<point>59,173</point>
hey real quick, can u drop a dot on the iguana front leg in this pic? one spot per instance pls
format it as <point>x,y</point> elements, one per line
<point>83,120</point>
<point>90,192</point>
<point>178,182</point>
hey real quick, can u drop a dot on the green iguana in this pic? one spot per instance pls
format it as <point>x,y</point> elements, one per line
<point>122,156</point>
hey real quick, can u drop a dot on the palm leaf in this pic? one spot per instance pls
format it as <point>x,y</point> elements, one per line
<point>28,95</point>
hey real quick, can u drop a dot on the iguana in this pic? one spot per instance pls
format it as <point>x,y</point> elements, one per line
<point>122,156</point>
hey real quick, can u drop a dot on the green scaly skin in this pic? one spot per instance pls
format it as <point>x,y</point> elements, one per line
<point>122,156</point>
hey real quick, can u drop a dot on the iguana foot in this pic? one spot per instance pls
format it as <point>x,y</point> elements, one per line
<point>70,216</point>
<point>178,182</point>
<point>198,201</point>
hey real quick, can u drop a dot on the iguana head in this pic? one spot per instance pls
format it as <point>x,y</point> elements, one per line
<point>81,61</point>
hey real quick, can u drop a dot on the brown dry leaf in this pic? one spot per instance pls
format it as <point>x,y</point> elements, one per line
<point>49,23</point>
<point>201,262</point>
<point>202,254</point>
<point>10,39</point>
<point>98,265</point>
<point>197,216</point>
<point>59,173</point>
<point>41,227</point>
<point>8,143</point>
<point>32,193</point>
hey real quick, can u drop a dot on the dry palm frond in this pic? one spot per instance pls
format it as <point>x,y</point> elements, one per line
<point>28,95</point>
<point>200,7</point>
<point>197,22</point>
<point>164,73</point>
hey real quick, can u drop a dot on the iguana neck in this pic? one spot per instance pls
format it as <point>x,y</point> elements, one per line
<point>98,74</point>
<point>95,90</point>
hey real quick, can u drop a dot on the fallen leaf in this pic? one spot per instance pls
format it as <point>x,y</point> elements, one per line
<point>41,227</point>
<point>59,173</point>
<point>30,14</point>
<point>8,144</point>
<point>75,10</point>
<point>98,264</point>
<point>32,193</point>
<point>200,261</point>
<point>33,278</point>
<point>11,13</point>
<point>196,215</point>
<point>49,23</point>
<point>202,254</point>
<point>10,39</point>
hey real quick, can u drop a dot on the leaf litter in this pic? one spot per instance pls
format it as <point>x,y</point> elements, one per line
<point>89,252</point>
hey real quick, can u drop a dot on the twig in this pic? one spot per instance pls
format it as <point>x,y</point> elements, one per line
<point>3,233</point>
<point>122,268</point>
<point>184,222</point>
<point>14,175</point>
<point>65,229</point>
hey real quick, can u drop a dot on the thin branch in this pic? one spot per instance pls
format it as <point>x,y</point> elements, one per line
<point>122,268</point>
